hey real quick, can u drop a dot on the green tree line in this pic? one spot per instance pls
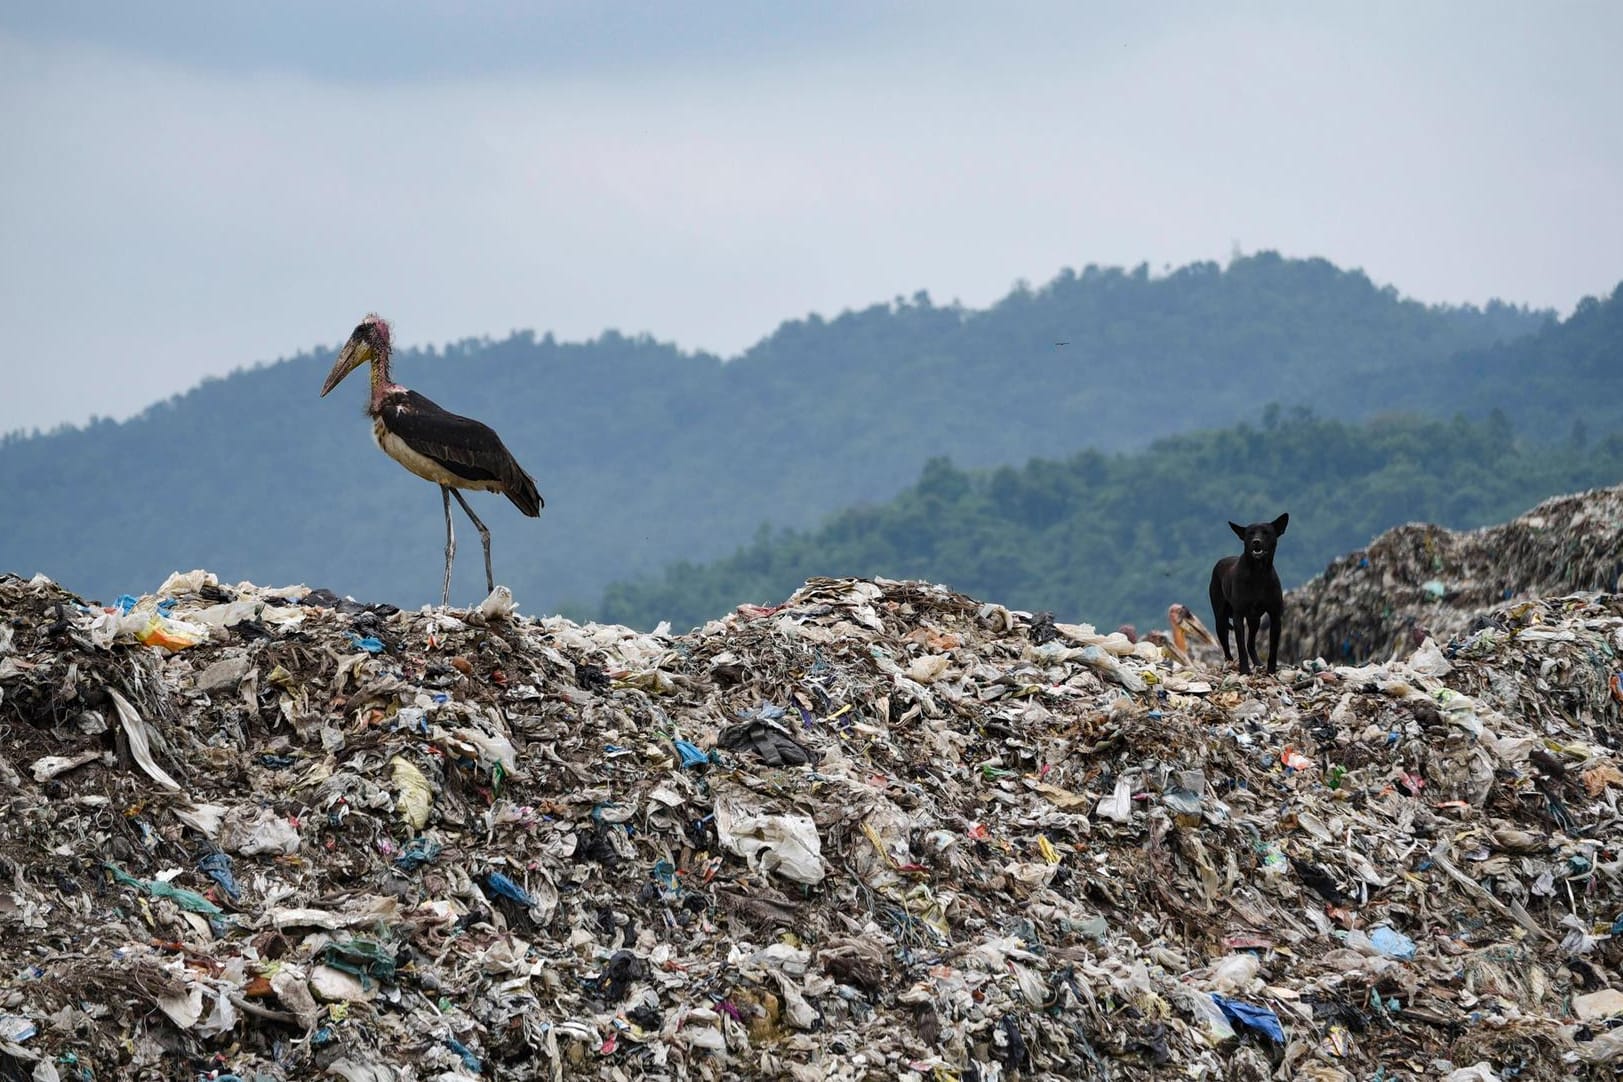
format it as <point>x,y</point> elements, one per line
<point>1117,538</point>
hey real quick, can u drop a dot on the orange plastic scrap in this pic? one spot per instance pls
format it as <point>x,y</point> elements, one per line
<point>1597,778</point>
<point>167,634</point>
<point>1616,684</point>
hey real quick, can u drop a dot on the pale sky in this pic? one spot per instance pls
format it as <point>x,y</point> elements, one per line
<point>193,186</point>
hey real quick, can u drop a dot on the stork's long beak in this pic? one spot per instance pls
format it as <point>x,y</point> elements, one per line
<point>1191,623</point>
<point>354,355</point>
<point>1186,625</point>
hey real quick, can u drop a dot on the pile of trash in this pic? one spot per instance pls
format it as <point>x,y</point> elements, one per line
<point>1418,580</point>
<point>879,831</point>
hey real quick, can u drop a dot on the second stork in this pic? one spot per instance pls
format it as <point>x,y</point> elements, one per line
<point>452,451</point>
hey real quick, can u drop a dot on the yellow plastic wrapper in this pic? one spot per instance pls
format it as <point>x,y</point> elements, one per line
<point>415,797</point>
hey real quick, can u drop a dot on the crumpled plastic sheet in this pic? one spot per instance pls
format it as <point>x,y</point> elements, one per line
<point>767,739</point>
<point>526,848</point>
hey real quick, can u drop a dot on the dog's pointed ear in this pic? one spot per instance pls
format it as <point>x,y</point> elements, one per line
<point>1239,531</point>
<point>1280,523</point>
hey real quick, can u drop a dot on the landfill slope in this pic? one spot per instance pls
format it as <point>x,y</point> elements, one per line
<point>1421,579</point>
<point>879,831</point>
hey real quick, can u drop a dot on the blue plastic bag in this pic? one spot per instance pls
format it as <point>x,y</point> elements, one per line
<point>217,866</point>
<point>504,886</point>
<point>692,754</point>
<point>368,643</point>
<point>1392,943</point>
<point>421,850</point>
<point>1250,1016</point>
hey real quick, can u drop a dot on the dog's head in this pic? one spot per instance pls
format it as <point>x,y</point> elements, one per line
<point>1261,538</point>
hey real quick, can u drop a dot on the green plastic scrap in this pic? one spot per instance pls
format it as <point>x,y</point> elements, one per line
<point>186,899</point>
<point>79,1072</point>
<point>361,958</point>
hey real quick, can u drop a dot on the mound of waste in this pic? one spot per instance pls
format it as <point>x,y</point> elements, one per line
<point>880,831</point>
<point>1421,579</point>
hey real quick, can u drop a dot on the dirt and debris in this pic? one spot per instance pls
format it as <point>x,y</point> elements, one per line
<point>1420,579</point>
<point>879,831</point>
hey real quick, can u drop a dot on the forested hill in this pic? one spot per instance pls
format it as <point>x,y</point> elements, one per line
<point>646,454</point>
<point>1564,380</point>
<point>1117,538</point>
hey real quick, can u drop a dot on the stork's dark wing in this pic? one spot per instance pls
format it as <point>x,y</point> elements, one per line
<point>462,445</point>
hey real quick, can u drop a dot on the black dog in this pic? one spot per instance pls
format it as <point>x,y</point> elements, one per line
<point>1246,587</point>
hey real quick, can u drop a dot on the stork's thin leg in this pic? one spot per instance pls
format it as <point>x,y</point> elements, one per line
<point>450,543</point>
<point>484,535</point>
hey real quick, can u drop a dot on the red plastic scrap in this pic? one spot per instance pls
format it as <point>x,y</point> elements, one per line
<point>1294,759</point>
<point>1247,942</point>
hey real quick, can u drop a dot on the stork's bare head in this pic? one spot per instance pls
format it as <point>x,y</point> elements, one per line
<point>369,340</point>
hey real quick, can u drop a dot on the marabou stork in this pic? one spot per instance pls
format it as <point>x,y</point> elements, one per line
<point>1185,625</point>
<point>1183,621</point>
<point>454,452</point>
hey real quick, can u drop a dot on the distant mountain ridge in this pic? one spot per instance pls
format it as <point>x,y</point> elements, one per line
<point>646,454</point>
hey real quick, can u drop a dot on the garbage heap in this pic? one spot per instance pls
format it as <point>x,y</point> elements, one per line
<point>879,831</point>
<point>1421,579</point>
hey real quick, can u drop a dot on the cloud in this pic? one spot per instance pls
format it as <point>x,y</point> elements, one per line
<point>166,217</point>
<point>381,41</point>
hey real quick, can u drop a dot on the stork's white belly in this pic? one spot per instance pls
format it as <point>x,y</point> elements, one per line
<point>423,466</point>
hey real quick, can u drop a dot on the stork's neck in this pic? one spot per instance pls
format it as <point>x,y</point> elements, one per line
<point>381,384</point>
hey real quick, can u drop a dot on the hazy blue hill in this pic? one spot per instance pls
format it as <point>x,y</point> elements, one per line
<point>1113,358</point>
<point>647,454</point>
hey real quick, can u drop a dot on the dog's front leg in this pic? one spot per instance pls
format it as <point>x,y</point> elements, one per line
<point>1245,637</point>
<point>1220,610</point>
